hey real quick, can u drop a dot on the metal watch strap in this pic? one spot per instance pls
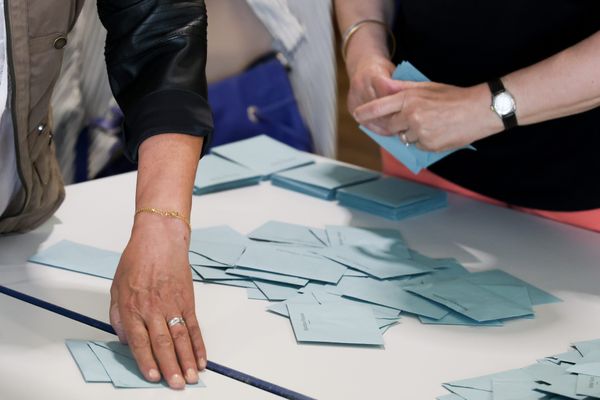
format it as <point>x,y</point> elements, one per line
<point>497,87</point>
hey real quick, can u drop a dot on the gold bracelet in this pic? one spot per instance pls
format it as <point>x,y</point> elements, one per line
<point>165,213</point>
<point>355,27</point>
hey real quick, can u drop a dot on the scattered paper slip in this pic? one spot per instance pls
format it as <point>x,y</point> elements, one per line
<point>337,268</point>
<point>263,155</point>
<point>558,377</point>
<point>111,362</point>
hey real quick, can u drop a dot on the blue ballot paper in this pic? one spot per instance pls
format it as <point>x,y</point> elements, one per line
<point>393,198</point>
<point>335,323</point>
<point>390,295</point>
<point>380,263</point>
<point>548,379</point>
<point>223,254</point>
<point>218,234</point>
<point>499,277</point>
<point>216,174</point>
<point>473,301</point>
<point>276,292</point>
<point>411,156</point>
<point>79,258</point>
<point>263,155</point>
<point>110,362</point>
<point>283,232</point>
<point>322,179</point>
<point>291,262</point>
<point>267,276</point>
<point>89,365</point>
<point>588,386</point>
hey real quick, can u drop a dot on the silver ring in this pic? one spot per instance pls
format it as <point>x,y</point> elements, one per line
<point>176,320</point>
<point>404,138</point>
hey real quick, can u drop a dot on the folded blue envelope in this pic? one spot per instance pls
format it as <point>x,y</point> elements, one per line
<point>412,157</point>
<point>79,258</point>
<point>335,323</point>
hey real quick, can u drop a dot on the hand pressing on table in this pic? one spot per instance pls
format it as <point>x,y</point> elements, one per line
<point>152,297</point>
<point>153,285</point>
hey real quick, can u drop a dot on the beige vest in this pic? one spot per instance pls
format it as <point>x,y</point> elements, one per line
<point>36,35</point>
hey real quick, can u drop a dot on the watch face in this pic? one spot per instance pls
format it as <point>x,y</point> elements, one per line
<point>504,103</point>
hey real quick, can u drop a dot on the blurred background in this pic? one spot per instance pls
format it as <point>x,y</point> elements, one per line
<point>274,67</point>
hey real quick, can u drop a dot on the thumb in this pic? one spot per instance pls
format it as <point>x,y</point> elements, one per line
<point>383,86</point>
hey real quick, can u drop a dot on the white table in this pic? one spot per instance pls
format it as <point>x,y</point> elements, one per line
<point>240,334</point>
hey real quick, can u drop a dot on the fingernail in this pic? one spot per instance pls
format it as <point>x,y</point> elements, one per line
<point>153,374</point>
<point>202,363</point>
<point>177,382</point>
<point>191,376</point>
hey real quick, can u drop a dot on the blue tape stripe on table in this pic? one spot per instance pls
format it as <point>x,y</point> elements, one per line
<point>103,326</point>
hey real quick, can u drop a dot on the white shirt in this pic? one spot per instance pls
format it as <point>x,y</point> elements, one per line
<point>9,177</point>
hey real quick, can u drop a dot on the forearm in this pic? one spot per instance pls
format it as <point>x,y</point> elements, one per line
<point>166,173</point>
<point>564,84</point>
<point>371,39</point>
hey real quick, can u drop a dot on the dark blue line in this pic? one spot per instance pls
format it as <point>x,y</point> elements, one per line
<point>103,326</point>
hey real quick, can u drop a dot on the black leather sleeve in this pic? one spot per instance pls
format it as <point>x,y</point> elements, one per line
<point>156,59</point>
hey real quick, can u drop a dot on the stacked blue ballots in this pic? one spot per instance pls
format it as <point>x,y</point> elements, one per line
<point>216,174</point>
<point>571,375</point>
<point>393,198</point>
<point>322,180</point>
<point>412,157</point>
<point>263,155</point>
<point>248,161</point>
<point>110,362</point>
<point>340,284</point>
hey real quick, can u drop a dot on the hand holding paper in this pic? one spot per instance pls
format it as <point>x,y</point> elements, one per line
<point>435,117</point>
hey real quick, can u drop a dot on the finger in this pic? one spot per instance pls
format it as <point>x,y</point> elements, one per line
<point>164,351</point>
<point>197,340</point>
<point>379,108</point>
<point>384,86</point>
<point>139,343</point>
<point>183,349</point>
<point>397,85</point>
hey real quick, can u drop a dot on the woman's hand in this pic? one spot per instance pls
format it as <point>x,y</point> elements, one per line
<point>152,285</point>
<point>434,116</point>
<point>370,79</point>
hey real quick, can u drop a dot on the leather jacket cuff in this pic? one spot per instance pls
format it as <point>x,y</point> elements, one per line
<point>167,111</point>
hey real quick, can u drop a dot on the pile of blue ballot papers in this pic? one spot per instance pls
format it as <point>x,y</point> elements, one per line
<point>411,156</point>
<point>322,180</point>
<point>249,161</point>
<point>571,375</point>
<point>216,174</point>
<point>340,284</point>
<point>392,198</point>
<point>110,362</point>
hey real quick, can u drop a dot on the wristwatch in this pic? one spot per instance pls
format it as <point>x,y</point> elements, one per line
<point>503,104</point>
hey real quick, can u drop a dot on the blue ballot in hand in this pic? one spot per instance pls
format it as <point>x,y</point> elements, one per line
<point>412,157</point>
